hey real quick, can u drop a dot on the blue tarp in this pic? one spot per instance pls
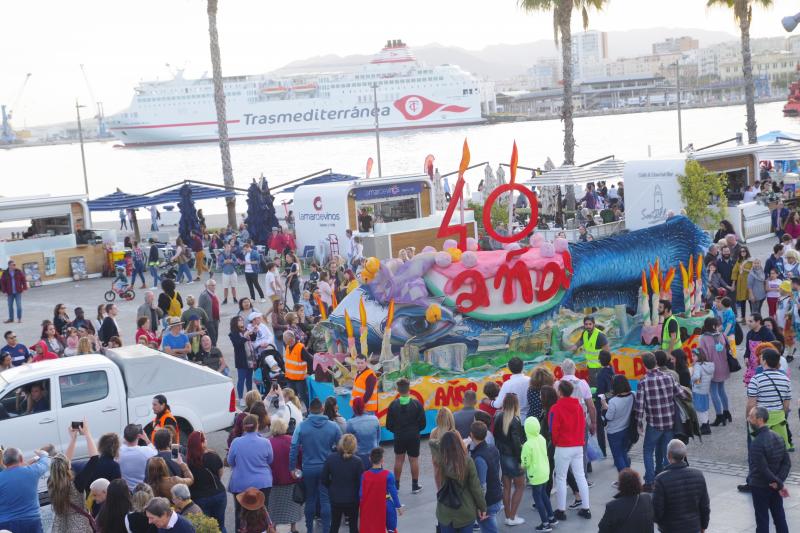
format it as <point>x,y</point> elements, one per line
<point>318,180</point>
<point>199,192</point>
<point>118,200</point>
<point>774,134</point>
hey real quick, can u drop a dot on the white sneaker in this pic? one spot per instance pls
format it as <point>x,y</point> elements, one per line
<point>263,300</point>
<point>518,521</point>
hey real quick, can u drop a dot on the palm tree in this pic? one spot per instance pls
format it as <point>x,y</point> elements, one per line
<point>743,14</point>
<point>219,103</point>
<point>562,18</point>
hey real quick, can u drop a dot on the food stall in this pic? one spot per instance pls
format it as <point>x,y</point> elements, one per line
<point>52,248</point>
<point>389,214</point>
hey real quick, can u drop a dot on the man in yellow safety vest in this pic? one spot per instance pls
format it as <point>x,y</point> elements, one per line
<point>591,341</point>
<point>298,361</point>
<point>670,331</point>
<point>365,385</point>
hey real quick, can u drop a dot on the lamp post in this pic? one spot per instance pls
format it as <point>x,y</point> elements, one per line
<point>80,139</point>
<point>678,87</point>
<point>377,126</point>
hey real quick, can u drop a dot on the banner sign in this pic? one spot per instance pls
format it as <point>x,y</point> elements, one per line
<point>380,192</point>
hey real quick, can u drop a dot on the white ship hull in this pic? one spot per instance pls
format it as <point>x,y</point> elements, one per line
<point>409,95</point>
<point>301,117</point>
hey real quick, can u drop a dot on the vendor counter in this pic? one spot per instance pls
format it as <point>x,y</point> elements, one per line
<point>52,259</point>
<point>387,239</point>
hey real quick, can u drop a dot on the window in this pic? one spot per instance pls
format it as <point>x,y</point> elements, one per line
<point>85,387</point>
<point>27,399</point>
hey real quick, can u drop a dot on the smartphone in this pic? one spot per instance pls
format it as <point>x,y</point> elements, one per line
<point>77,425</point>
<point>175,451</point>
<point>274,386</point>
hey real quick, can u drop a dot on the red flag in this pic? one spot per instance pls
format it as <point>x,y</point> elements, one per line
<point>429,166</point>
<point>369,167</point>
<point>514,161</point>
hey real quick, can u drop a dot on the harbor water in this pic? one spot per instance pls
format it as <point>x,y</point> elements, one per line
<point>57,169</point>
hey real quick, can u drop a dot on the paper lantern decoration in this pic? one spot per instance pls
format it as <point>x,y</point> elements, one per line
<point>469,259</point>
<point>455,254</point>
<point>443,259</point>
<point>433,313</point>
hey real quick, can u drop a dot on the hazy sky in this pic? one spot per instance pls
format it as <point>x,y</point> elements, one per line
<point>123,42</point>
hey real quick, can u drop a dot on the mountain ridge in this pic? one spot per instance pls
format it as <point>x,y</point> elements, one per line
<point>500,60</point>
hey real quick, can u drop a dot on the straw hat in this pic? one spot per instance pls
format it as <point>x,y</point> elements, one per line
<point>174,321</point>
<point>251,499</point>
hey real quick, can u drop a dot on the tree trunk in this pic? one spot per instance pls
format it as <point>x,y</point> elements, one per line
<point>747,70</point>
<point>564,20</point>
<point>219,103</point>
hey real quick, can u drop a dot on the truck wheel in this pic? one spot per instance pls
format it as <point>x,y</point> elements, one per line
<point>110,296</point>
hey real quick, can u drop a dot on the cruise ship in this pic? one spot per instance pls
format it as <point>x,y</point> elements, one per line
<point>404,93</point>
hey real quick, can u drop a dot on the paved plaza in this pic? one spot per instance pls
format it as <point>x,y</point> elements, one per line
<point>721,456</point>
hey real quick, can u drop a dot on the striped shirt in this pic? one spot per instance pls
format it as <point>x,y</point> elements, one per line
<point>770,389</point>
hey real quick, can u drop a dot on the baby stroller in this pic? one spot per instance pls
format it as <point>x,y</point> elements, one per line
<point>262,373</point>
<point>120,287</point>
<point>167,270</point>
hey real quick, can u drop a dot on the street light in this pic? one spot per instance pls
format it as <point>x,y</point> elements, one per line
<point>377,126</point>
<point>678,87</point>
<point>80,138</point>
<point>790,23</point>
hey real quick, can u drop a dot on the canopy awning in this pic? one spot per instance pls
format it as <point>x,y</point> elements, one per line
<point>118,200</point>
<point>611,168</point>
<point>780,151</point>
<point>199,192</point>
<point>567,175</point>
<point>318,180</point>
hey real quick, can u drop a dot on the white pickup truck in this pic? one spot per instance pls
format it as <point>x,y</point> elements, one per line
<point>109,392</point>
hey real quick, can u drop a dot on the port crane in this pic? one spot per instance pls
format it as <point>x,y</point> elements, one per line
<point>102,128</point>
<point>7,135</point>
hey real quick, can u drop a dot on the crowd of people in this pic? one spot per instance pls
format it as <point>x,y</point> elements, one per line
<point>293,457</point>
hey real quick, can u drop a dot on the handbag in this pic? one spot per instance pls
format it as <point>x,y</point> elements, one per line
<point>87,516</point>
<point>250,353</point>
<point>448,496</point>
<point>733,364</point>
<point>299,493</point>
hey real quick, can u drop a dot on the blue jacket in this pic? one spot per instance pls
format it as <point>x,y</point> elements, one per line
<point>317,436</point>
<point>367,430</point>
<point>250,458</point>
<point>20,489</point>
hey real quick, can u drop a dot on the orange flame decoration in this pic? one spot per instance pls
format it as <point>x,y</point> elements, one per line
<point>390,315</point>
<point>699,266</point>
<point>464,160</point>
<point>513,166</point>
<point>334,301</point>
<point>321,306</point>
<point>348,325</point>
<point>668,279</point>
<point>644,284</point>
<point>685,277</point>
<point>362,313</point>
<point>654,282</point>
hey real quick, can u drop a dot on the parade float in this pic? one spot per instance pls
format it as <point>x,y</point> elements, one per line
<point>450,319</point>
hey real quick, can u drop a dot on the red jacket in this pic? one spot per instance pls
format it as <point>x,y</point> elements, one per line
<point>567,423</point>
<point>19,280</point>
